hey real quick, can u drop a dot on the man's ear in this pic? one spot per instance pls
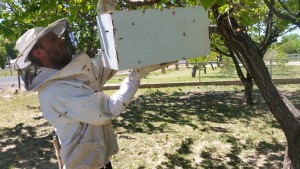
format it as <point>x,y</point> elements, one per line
<point>37,53</point>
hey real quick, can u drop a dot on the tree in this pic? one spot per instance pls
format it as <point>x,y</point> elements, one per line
<point>2,57</point>
<point>290,44</point>
<point>251,54</point>
<point>3,52</point>
<point>19,16</point>
<point>201,62</point>
<point>11,52</point>
<point>259,23</point>
<point>289,11</point>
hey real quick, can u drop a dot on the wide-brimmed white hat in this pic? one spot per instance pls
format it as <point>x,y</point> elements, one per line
<point>26,42</point>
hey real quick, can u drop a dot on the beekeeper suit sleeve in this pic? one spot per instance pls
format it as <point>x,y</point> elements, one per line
<point>65,100</point>
<point>120,100</point>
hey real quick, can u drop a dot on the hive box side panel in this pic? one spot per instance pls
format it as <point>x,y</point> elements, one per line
<point>106,36</point>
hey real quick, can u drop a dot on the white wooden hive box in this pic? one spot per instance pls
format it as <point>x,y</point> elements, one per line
<point>137,38</point>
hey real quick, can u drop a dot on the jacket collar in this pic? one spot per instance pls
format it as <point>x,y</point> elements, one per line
<point>80,64</point>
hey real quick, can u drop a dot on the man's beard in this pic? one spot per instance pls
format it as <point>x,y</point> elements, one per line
<point>60,58</point>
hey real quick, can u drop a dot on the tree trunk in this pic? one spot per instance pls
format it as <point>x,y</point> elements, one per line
<point>163,70</point>
<point>177,66</point>
<point>283,110</point>
<point>194,70</point>
<point>247,82</point>
<point>212,66</point>
<point>219,60</point>
<point>187,64</point>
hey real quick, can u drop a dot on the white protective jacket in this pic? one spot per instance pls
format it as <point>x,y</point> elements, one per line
<point>72,101</point>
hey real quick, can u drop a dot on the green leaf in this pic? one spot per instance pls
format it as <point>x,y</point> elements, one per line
<point>208,3</point>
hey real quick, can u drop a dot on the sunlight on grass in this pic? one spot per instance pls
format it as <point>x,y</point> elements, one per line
<point>18,108</point>
<point>182,127</point>
<point>184,75</point>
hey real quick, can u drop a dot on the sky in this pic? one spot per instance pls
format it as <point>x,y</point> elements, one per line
<point>296,31</point>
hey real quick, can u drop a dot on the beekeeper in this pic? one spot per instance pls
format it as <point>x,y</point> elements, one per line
<point>70,93</point>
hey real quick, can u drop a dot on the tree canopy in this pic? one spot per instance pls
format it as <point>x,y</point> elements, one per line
<point>19,16</point>
<point>2,57</point>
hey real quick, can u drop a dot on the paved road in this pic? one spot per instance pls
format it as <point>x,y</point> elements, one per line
<point>10,82</point>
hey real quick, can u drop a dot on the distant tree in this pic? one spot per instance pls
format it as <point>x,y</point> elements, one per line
<point>290,44</point>
<point>198,63</point>
<point>201,62</point>
<point>2,57</point>
<point>3,51</point>
<point>227,67</point>
<point>10,49</point>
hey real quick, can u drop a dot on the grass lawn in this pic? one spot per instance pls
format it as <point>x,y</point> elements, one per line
<point>185,127</point>
<point>8,72</point>
<point>185,75</point>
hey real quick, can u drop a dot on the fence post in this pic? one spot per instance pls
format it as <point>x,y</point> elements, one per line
<point>19,81</point>
<point>176,66</point>
<point>163,70</point>
<point>199,71</point>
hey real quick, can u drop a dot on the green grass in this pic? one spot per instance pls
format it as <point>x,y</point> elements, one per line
<point>286,72</point>
<point>185,75</point>
<point>8,72</point>
<point>186,127</point>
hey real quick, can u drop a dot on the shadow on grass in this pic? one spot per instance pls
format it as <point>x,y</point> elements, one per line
<point>21,148</point>
<point>294,97</point>
<point>216,107</point>
<point>177,107</point>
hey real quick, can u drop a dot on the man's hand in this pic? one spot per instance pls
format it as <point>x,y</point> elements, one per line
<point>144,71</point>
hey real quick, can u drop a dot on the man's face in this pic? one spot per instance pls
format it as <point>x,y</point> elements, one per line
<point>57,52</point>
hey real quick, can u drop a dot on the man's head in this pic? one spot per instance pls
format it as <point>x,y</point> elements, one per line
<point>50,51</point>
<point>44,47</point>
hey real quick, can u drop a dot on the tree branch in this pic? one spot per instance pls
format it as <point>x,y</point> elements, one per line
<point>270,36</point>
<point>270,5</point>
<point>284,7</point>
<point>218,50</point>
